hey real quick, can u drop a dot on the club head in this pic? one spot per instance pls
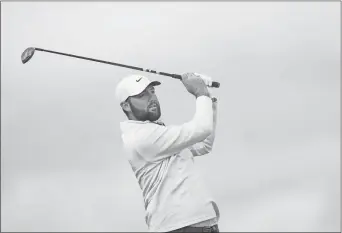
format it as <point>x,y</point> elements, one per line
<point>27,55</point>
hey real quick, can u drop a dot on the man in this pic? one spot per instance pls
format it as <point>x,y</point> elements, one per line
<point>162,157</point>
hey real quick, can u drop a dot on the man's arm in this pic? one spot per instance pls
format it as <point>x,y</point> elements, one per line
<point>164,141</point>
<point>206,146</point>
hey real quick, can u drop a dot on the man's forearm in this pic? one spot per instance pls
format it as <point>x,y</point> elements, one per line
<point>206,145</point>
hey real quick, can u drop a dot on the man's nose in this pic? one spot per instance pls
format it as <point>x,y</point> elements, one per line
<point>153,98</point>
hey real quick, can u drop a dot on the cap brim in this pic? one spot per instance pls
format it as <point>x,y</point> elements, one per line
<point>155,83</point>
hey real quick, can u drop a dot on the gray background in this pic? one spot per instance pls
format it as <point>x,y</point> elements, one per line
<point>275,164</point>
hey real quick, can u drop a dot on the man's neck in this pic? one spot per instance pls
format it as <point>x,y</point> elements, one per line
<point>132,118</point>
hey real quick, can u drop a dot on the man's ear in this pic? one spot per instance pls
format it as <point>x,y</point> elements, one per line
<point>125,106</point>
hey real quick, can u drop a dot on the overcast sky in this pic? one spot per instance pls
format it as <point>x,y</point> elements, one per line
<point>276,159</point>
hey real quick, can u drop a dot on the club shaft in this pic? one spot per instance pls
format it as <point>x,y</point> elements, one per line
<point>90,59</point>
<point>177,76</point>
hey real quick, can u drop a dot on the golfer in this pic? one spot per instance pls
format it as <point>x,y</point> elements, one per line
<point>162,156</point>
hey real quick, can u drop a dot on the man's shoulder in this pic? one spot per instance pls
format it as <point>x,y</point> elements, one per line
<point>131,126</point>
<point>138,132</point>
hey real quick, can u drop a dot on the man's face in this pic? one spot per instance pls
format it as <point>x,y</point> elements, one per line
<point>145,106</point>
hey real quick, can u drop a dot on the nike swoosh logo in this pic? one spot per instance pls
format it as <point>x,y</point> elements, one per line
<point>138,79</point>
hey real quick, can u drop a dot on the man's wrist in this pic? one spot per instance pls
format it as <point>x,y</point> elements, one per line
<point>203,91</point>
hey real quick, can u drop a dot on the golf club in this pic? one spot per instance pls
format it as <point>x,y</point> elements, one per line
<point>29,52</point>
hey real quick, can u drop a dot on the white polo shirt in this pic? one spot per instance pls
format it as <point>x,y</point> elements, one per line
<point>162,159</point>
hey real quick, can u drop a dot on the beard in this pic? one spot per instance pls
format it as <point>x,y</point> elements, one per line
<point>151,113</point>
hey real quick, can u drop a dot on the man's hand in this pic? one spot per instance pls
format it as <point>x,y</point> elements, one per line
<point>208,81</point>
<point>195,85</point>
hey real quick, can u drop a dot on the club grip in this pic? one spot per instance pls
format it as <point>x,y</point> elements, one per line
<point>213,84</point>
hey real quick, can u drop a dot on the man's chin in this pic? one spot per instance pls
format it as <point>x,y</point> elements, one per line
<point>154,117</point>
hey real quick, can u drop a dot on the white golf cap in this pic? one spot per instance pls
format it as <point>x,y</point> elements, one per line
<point>132,85</point>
